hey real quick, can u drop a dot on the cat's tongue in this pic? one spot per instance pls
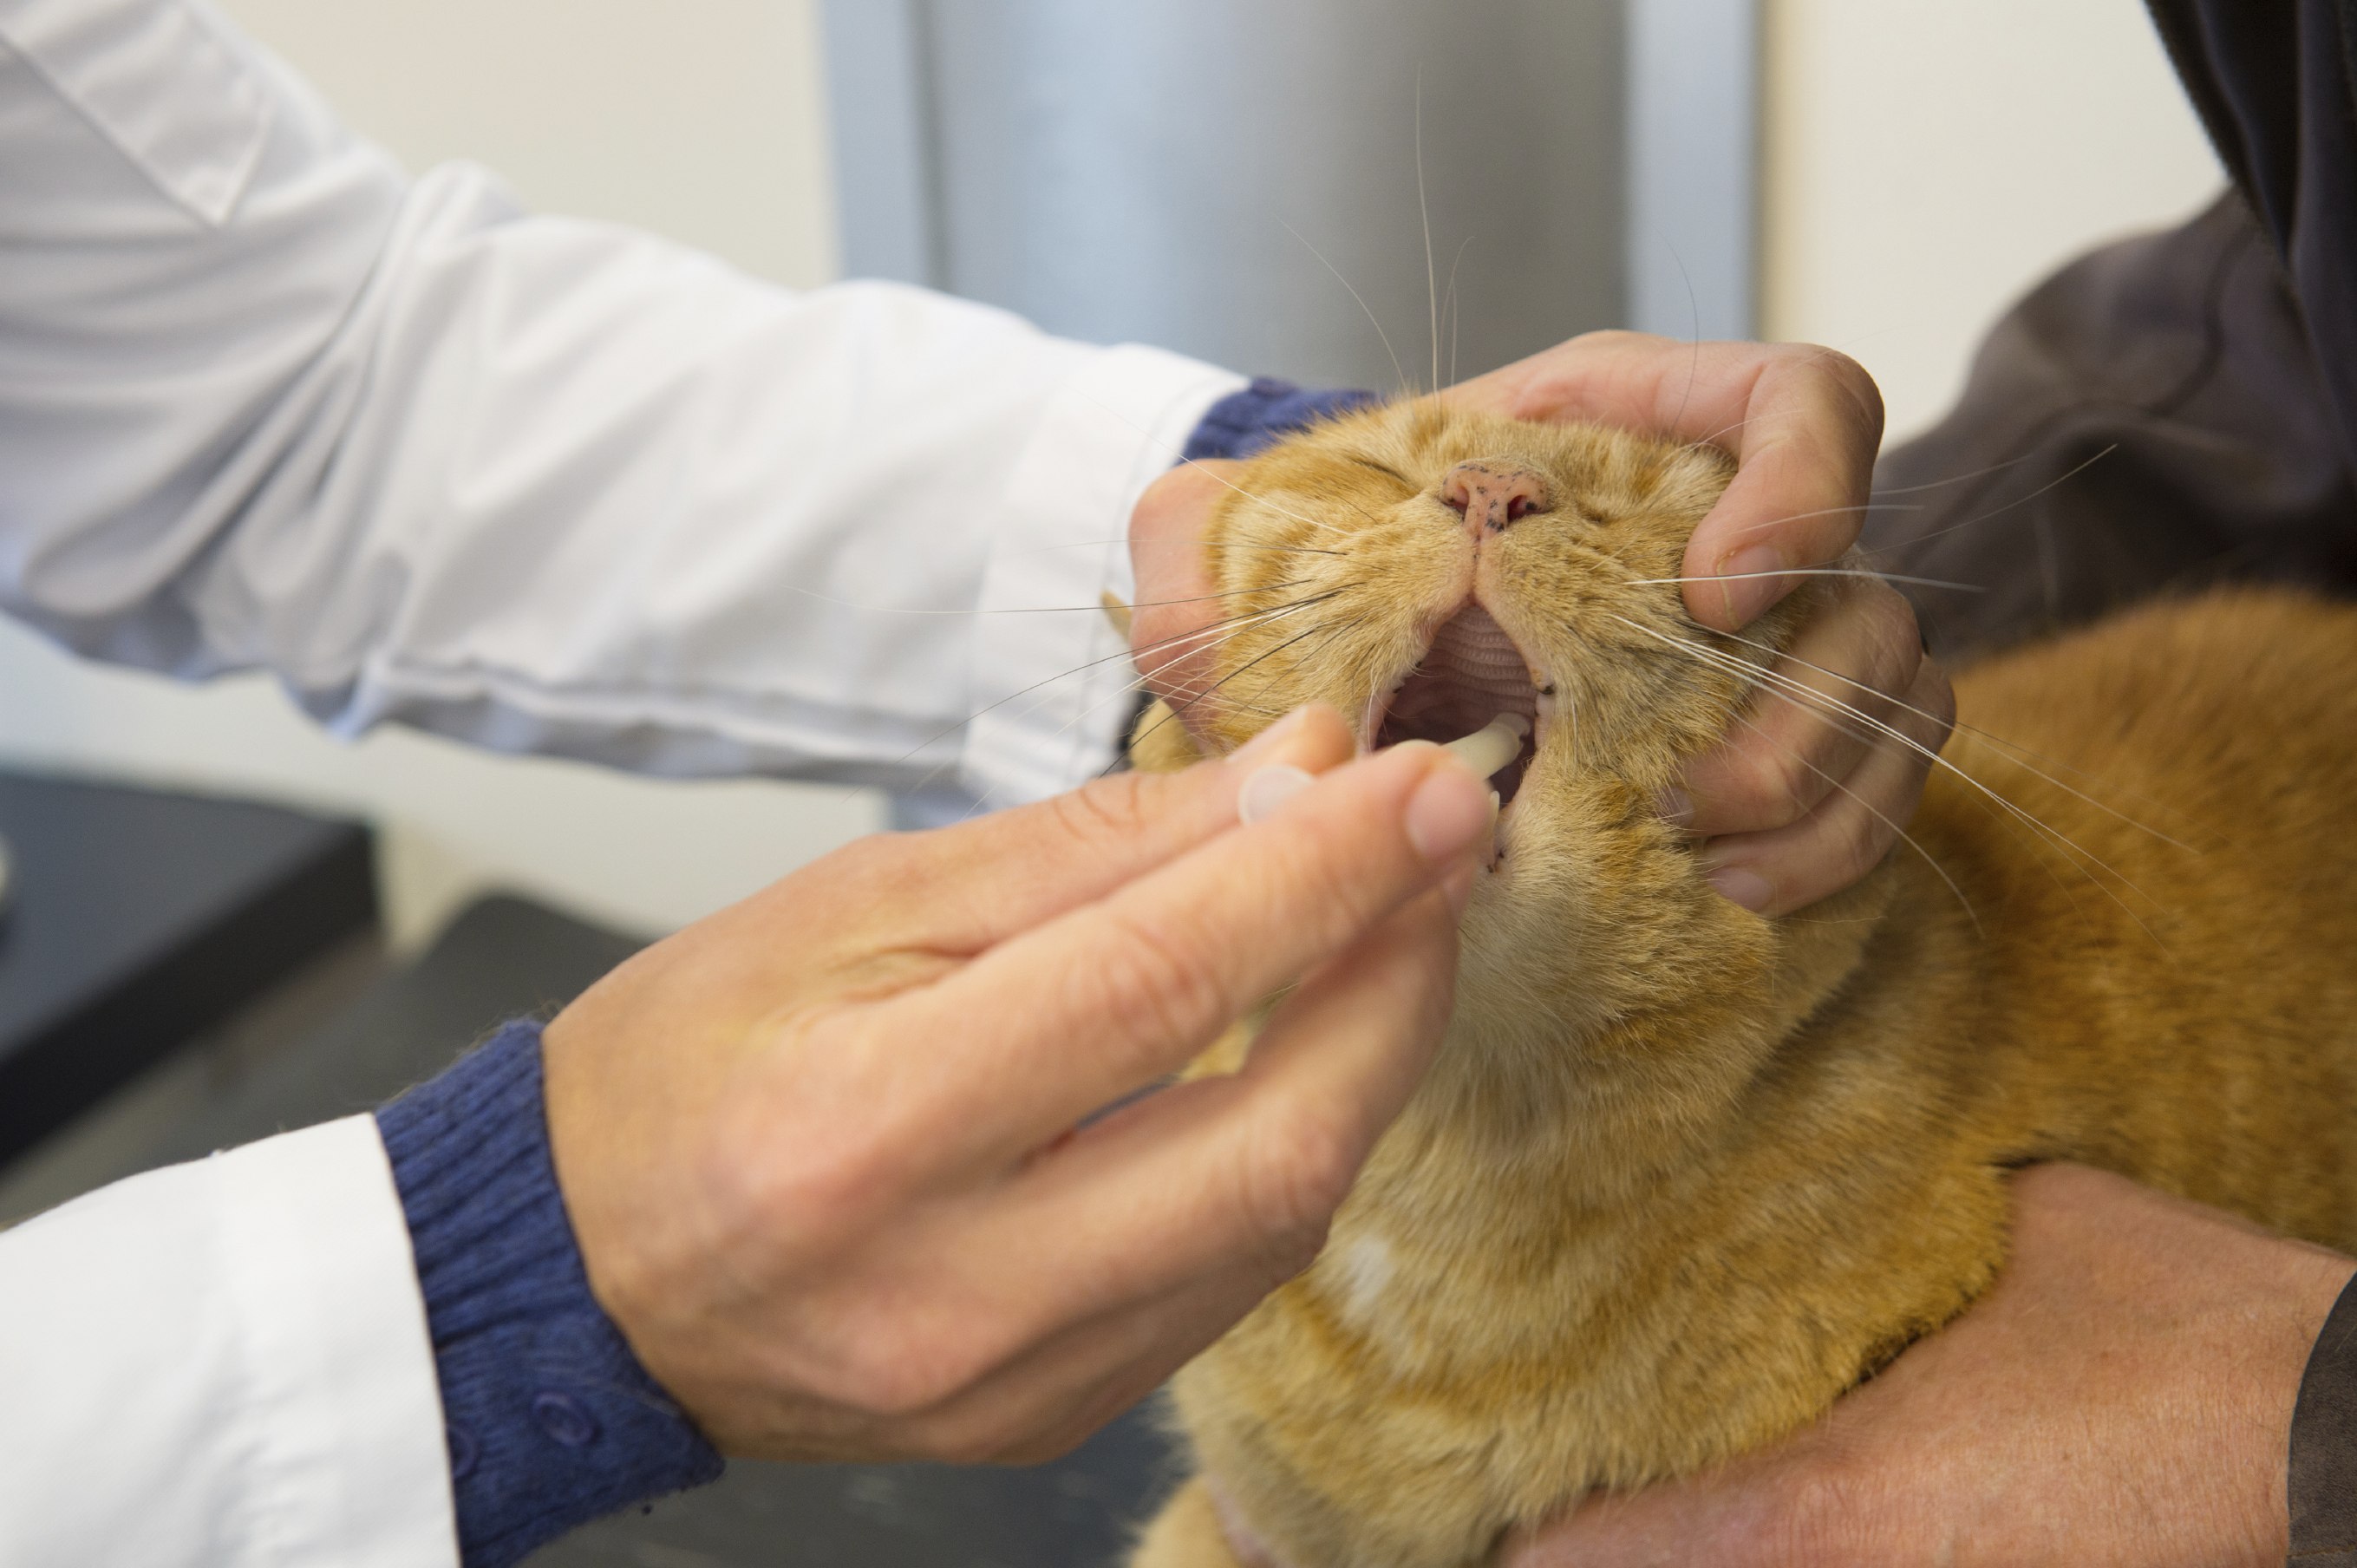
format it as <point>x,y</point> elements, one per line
<point>1494,745</point>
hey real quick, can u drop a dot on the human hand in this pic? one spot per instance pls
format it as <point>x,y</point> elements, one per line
<point>820,1150</point>
<point>2122,1399</point>
<point>1171,625</point>
<point>1798,804</point>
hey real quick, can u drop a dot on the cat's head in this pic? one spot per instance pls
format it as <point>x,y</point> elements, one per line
<point>1423,569</point>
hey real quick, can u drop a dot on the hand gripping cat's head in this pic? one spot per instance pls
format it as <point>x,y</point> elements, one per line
<point>1422,570</point>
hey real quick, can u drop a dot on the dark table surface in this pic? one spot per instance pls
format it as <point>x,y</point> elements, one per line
<point>135,919</point>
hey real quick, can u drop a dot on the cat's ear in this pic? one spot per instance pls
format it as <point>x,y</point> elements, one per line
<point>1116,612</point>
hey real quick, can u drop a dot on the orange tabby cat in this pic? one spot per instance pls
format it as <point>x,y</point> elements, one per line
<point>1683,1175</point>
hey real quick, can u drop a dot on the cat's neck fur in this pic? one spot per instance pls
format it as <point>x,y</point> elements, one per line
<point>1644,1067</point>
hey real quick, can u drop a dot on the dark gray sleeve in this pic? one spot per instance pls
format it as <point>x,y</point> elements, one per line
<point>2182,357</point>
<point>2324,1445</point>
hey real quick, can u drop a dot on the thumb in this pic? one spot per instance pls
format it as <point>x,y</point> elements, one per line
<point>1176,603</point>
<point>974,885</point>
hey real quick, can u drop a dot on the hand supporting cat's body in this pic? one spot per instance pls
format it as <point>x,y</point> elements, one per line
<point>1681,1176</point>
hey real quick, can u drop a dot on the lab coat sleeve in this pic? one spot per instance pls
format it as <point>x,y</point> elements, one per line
<point>224,1364</point>
<point>537,483</point>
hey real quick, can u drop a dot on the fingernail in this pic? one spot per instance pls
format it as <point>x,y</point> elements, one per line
<point>1268,789</point>
<point>1748,594</point>
<point>1675,805</point>
<point>1449,810</point>
<point>1747,889</point>
<point>1269,739</point>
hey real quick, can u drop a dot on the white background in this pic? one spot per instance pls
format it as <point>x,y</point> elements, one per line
<point>1923,161</point>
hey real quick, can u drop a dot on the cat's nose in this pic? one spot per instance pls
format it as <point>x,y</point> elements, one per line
<point>1490,494</point>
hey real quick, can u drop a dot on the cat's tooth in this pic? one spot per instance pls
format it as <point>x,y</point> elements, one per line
<point>1493,745</point>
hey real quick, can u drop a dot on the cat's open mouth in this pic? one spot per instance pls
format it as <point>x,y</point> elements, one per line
<point>1470,674</point>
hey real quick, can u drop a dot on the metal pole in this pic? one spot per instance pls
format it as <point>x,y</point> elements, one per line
<point>1240,180</point>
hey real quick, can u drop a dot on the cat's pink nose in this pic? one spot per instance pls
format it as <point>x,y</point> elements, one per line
<point>1491,494</point>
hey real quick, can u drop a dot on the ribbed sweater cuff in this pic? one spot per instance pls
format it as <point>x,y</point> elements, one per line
<point>1241,423</point>
<point>551,1420</point>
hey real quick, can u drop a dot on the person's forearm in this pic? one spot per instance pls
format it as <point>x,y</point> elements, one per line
<point>532,482</point>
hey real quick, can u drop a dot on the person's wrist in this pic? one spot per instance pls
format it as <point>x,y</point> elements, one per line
<point>552,1420</point>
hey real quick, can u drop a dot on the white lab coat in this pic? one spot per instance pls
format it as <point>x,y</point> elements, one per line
<point>537,483</point>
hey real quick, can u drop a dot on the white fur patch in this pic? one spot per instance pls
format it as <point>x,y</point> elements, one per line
<point>1361,1268</point>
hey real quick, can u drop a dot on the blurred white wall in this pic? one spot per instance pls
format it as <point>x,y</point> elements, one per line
<point>701,118</point>
<point>1924,161</point>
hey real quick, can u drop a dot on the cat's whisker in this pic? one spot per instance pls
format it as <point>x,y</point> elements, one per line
<point>1731,425</point>
<point>1452,302</point>
<point>1223,633</point>
<point>1224,544</point>
<point>1833,511</point>
<point>1693,334</point>
<point>1178,708</point>
<point>1710,438</point>
<point>1132,689</point>
<point>1996,512</point>
<point>1909,839</point>
<point>1811,571</point>
<point>1958,479</point>
<point>1431,279</point>
<point>1220,633</point>
<point>1263,501</point>
<point>1991,738</point>
<point>1738,424</point>
<point>1385,338</point>
<point>2037,773</point>
<point>1026,610</point>
<point>1217,633</point>
<point>1252,706</point>
<point>1801,693</point>
<point>1226,627</point>
<point>1165,539</point>
<point>2006,811</point>
<point>1994,803</point>
<point>1185,461</point>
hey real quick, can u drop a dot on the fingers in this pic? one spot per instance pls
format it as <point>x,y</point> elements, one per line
<point>1171,621</point>
<point>1110,1260</point>
<point>1810,426</point>
<point>1804,423</point>
<point>1110,995</point>
<point>1824,769</point>
<point>1241,1173</point>
<point>973,885</point>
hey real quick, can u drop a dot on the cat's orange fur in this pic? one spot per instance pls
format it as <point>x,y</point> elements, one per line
<point>1682,1174</point>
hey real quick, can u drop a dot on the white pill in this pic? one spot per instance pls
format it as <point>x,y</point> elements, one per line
<point>1494,745</point>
